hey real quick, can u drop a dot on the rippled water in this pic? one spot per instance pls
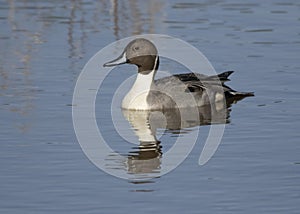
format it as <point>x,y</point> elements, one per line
<point>43,48</point>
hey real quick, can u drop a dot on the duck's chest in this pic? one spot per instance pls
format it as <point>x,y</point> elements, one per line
<point>136,101</point>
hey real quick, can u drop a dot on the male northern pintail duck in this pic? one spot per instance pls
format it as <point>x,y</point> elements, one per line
<point>176,91</point>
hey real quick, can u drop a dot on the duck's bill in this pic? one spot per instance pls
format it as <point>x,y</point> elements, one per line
<point>120,60</point>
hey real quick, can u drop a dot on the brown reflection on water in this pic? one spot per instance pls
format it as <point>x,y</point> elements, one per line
<point>27,25</point>
<point>17,88</point>
<point>136,17</point>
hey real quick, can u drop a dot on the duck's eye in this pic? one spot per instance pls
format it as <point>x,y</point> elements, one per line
<point>136,48</point>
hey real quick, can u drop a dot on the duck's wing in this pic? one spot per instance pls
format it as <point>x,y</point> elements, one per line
<point>197,82</point>
<point>192,81</point>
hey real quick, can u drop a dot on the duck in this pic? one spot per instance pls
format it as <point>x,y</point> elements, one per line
<point>176,91</point>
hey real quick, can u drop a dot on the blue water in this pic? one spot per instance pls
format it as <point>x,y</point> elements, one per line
<point>43,48</point>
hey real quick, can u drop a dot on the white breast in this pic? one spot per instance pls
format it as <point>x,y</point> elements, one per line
<point>136,101</point>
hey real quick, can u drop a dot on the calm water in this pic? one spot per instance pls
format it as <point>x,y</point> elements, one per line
<point>43,48</point>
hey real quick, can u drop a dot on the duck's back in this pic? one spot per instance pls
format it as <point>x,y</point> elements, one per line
<point>193,89</point>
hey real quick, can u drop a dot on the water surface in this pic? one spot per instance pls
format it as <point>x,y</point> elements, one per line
<point>44,46</point>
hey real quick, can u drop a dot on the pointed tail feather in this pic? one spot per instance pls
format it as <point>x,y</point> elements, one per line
<point>224,76</point>
<point>241,94</point>
<point>234,96</point>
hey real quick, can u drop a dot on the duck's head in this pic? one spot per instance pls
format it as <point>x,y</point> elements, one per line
<point>140,52</point>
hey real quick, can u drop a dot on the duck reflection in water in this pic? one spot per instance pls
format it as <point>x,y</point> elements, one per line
<point>146,158</point>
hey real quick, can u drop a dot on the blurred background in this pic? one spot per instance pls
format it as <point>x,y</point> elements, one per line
<point>45,44</point>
